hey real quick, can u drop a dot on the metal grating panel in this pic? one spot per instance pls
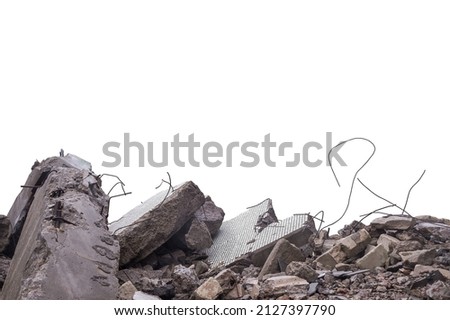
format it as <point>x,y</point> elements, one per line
<point>237,236</point>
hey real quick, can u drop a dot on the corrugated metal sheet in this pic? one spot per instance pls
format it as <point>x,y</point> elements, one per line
<point>237,236</point>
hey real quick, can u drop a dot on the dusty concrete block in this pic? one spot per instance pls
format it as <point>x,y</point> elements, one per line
<point>227,279</point>
<point>65,250</point>
<point>436,231</point>
<point>194,235</point>
<point>280,285</point>
<point>211,215</point>
<point>281,255</point>
<point>209,290</point>
<point>419,269</point>
<point>145,228</point>
<point>355,243</point>
<point>377,257</point>
<point>184,279</point>
<point>236,293</point>
<point>411,258</point>
<point>393,223</point>
<point>388,242</point>
<point>127,291</point>
<point>301,270</point>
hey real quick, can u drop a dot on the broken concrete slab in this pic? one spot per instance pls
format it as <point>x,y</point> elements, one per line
<point>227,280</point>
<point>393,223</point>
<point>280,285</point>
<point>251,285</point>
<point>408,245</point>
<point>5,232</point>
<point>209,290</point>
<point>411,258</point>
<point>236,293</point>
<point>211,215</point>
<point>377,257</point>
<point>238,239</point>
<point>388,242</point>
<point>65,250</point>
<point>148,226</point>
<point>301,270</point>
<point>279,258</point>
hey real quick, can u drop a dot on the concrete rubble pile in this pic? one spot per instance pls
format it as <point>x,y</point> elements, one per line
<point>56,243</point>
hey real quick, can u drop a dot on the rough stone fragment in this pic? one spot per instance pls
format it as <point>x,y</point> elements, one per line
<point>145,228</point>
<point>201,267</point>
<point>377,257</point>
<point>194,235</point>
<point>388,242</point>
<point>438,291</point>
<point>127,291</point>
<point>209,290</point>
<point>251,285</point>
<point>5,232</point>
<point>211,215</point>
<point>65,250</point>
<point>408,245</point>
<point>393,223</point>
<point>355,243</point>
<point>236,293</point>
<point>434,231</point>
<point>411,258</point>
<point>162,288</point>
<point>419,269</point>
<point>281,255</point>
<point>301,270</point>
<point>184,279</point>
<point>277,286</point>
<point>227,279</point>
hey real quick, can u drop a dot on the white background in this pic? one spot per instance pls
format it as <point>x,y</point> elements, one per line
<point>78,74</point>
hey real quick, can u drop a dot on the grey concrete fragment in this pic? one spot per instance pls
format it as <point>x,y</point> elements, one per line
<point>194,235</point>
<point>281,285</point>
<point>72,257</point>
<point>211,215</point>
<point>282,254</point>
<point>388,242</point>
<point>419,269</point>
<point>435,231</point>
<point>145,228</point>
<point>209,290</point>
<point>377,257</point>
<point>127,291</point>
<point>185,280</point>
<point>393,223</point>
<point>411,258</point>
<point>301,270</point>
<point>227,279</point>
<point>5,232</point>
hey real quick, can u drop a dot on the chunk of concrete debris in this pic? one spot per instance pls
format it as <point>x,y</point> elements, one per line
<point>388,242</point>
<point>281,255</point>
<point>65,250</point>
<point>145,228</point>
<point>301,270</point>
<point>236,293</point>
<point>5,232</point>
<point>211,215</point>
<point>345,248</point>
<point>194,235</point>
<point>209,290</point>
<point>393,223</point>
<point>251,285</point>
<point>411,258</point>
<point>377,257</point>
<point>408,245</point>
<point>227,280</point>
<point>184,279</point>
<point>439,291</point>
<point>280,285</point>
<point>127,291</point>
<point>162,288</point>
<point>4,267</point>
<point>241,238</point>
<point>435,231</point>
<point>420,269</point>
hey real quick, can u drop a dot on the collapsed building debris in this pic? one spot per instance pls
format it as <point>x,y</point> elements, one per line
<point>242,237</point>
<point>55,244</point>
<point>61,244</point>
